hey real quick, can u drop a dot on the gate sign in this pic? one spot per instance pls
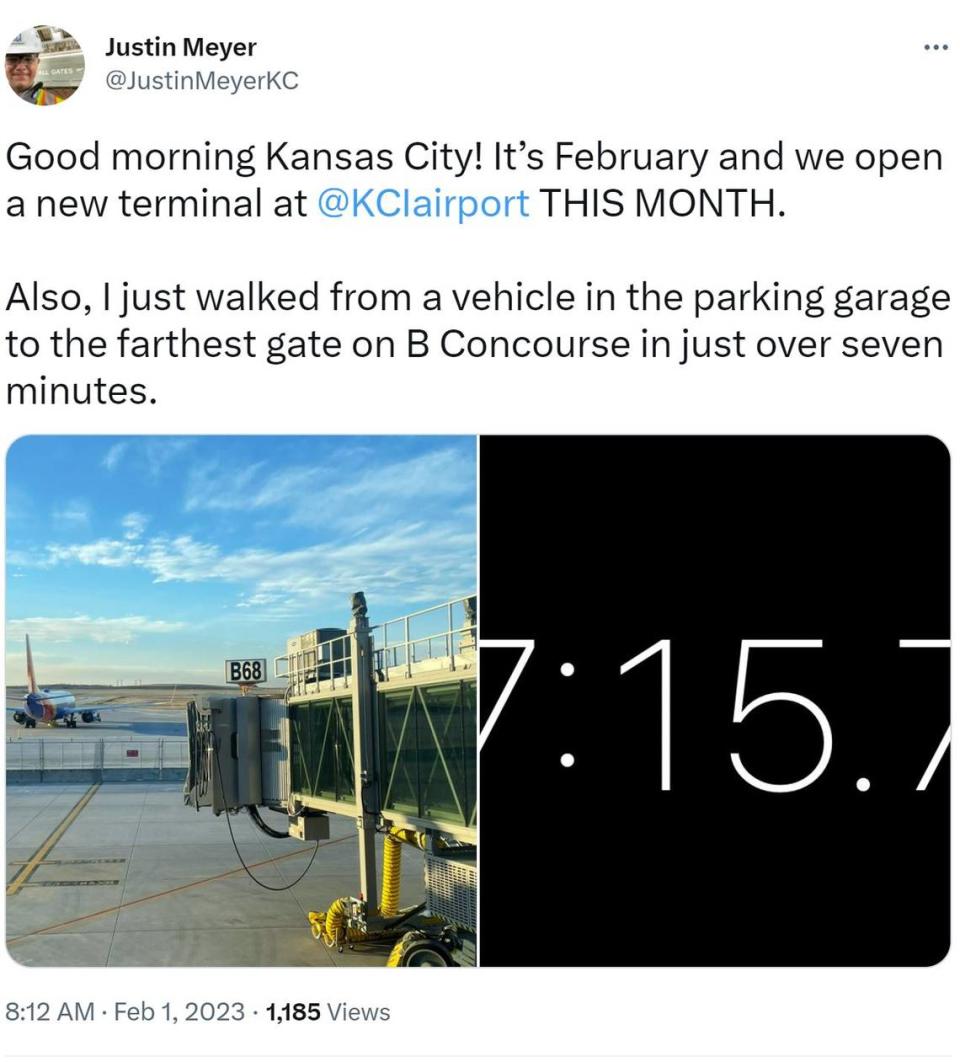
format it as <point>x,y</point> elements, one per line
<point>244,672</point>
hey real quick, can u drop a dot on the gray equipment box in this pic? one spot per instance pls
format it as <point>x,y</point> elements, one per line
<point>238,753</point>
<point>310,827</point>
<point>320,654</point>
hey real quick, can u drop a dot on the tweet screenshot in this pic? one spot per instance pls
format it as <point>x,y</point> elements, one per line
<point>477,496</point>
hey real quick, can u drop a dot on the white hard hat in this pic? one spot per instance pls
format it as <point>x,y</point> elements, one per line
<point>27,42</point>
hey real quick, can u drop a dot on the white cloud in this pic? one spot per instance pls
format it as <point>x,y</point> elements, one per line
<point>104,552</point>
<point>335,494</point>
<point>184,559</point>
<point>117,630</point>
<point>401,529</point>
<point>150,454</point>
<point>406,559</point>
<point>75,512</point>
<point>418,561</point>
<point>260,600</point>
<point>211,488</point>
<point>159,452</point>
<point>113,456</point>
<point>134,524</point>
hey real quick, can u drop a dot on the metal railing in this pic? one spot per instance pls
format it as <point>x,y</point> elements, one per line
<point>96,754</point>
<point>401,643</point>
<point>436,636</point>
<point>324,662</point>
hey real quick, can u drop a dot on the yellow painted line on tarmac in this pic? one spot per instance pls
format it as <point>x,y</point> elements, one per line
<point>24,875</point>
<point>175,889</point>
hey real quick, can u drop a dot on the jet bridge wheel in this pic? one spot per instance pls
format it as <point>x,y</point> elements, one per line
<point>425,953</point>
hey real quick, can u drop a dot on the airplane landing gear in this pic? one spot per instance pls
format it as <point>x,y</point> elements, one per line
<point>71,720</point>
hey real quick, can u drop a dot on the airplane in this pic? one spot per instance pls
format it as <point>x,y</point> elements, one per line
<point>48,706</point>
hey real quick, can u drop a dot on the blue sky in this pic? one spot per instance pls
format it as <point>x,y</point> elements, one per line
<point>157,558</point>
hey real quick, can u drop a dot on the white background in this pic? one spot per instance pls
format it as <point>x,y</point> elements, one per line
<point>381,75</point>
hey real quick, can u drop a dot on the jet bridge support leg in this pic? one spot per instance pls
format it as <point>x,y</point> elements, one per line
<point>364,721</point>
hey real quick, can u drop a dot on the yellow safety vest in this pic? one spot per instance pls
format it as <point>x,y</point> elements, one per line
<point>45,98</point>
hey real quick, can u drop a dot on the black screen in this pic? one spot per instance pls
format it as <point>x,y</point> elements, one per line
<point>599,548</point>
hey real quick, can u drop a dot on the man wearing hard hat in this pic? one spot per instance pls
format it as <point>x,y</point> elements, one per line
<point>21,63</point>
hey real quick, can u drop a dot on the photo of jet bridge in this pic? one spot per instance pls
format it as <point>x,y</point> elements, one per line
<point>377,724</point>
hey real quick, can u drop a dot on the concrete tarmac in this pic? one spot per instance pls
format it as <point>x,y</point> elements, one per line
<point>123,874</point>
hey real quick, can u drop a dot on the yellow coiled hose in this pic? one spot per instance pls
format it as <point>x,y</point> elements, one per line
<point>418,840</point>
<point>397,953</point>
<point>328,925</point>
<point>392,850</point>
<point>390,886</point>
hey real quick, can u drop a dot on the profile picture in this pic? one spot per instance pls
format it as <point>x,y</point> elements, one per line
<point>44,65</point>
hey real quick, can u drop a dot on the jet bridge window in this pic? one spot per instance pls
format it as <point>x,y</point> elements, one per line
<point>429,751</point>
<point>321,736</point>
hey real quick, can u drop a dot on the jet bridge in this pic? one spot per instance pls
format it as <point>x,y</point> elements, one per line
<point>378,723</point>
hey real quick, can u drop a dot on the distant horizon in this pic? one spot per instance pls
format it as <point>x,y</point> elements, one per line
<point>143,686</point>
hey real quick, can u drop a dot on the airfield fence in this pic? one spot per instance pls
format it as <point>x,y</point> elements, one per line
<point>32,760</point>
